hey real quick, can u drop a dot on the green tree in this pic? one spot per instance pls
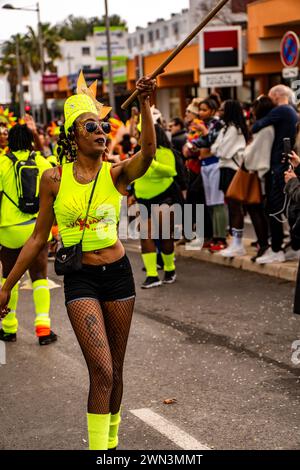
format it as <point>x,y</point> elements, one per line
<point>8,63</point>
<point>77,28</point>
<point>51,40</point>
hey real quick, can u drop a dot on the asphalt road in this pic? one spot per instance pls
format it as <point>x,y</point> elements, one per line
<point>218,341</point>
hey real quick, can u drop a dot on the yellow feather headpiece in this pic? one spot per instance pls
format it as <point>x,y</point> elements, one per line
<point>84,102</point>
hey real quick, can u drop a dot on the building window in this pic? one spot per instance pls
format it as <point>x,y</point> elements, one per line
<point>166,31</point>
<point>129,42</point>
<point>150,36</point>
<point>142,39</point>
<point>86,51</point>
<point>176,29</point>
<point>134,42</point>
<point>157,34</point>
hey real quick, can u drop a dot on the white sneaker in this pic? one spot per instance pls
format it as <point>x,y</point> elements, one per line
<point>233,251</point>
<point>271,257</point>
<point>195,244</point>
<point>292,255</point>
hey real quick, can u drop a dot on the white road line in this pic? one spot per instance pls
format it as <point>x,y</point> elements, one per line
<point>172,432</point>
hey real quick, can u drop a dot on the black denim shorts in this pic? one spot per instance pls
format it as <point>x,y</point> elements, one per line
<point>105,283</point>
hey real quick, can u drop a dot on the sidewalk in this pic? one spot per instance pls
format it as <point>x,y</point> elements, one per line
<point>287,271</point>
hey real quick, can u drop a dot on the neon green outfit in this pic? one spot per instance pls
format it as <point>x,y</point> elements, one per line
<point>11,215</point>
<point>158,177</point>
<point>71,204</point>
<point>15,229</point>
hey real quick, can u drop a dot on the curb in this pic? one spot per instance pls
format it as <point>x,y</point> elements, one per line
<point>286,271</point>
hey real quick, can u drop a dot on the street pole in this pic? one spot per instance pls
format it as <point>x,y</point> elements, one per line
<point>110,69</point>
<point>20,77</point>
<point>42,63</point>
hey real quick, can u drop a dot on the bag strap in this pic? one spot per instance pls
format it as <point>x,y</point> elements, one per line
<point>239,166</point>
<point>89,203</point>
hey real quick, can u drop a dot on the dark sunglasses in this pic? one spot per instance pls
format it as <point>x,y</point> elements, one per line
<point>93,126</point>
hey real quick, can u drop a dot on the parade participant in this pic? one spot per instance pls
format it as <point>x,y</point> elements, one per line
<point>3,139</point>
<point>157,187</point>
<point>16,227</point>
<point>7,121</point>
<point>84,196</point>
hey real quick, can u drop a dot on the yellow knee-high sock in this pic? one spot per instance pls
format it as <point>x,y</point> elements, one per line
<point>113,439</point>
<point>41,299</point>
<point>169,264</point>
<point>98,429</point>
<point>149,260</point>
<point>10,321</point>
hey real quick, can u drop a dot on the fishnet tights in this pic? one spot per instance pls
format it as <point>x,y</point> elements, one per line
<point>102,331</point>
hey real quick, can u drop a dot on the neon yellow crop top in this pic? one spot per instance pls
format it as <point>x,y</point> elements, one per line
<point>70,208</point>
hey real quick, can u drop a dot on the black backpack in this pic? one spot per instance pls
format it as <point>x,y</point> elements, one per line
<point>27,181</point>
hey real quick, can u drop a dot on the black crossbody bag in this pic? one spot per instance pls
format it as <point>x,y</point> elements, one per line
<point>69,260</point>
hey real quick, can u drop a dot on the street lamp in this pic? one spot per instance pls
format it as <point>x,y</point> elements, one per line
<point>110,69</point>
<point>20,77</point>
<point>8,6</point>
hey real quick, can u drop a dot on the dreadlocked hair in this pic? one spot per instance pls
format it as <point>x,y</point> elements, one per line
<point>20,137</point>
<point>66,145</point>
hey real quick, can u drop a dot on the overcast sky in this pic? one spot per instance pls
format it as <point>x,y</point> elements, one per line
<point>135,12</point>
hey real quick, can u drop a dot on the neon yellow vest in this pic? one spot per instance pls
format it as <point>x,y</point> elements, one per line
<point>9,213</point>
<point>70,208</point>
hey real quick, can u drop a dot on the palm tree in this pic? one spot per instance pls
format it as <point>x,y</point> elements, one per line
<point>51,47</point>
<point>8,63</point>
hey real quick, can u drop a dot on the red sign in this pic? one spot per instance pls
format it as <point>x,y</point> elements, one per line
<point>221,49</point>
<point>50,82</point>
<point>289,49</point>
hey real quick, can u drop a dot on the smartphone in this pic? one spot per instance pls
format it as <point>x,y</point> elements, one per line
<point>287,149</point>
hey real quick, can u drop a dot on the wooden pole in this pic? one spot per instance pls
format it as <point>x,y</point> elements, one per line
<point>160,68</point>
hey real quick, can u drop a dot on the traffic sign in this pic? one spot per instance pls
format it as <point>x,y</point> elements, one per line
<point>290,72</point>
<point>289,49</point>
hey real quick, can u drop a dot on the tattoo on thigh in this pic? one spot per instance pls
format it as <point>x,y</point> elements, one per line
<point>91,322</point>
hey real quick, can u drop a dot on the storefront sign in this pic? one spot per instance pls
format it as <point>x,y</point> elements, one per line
<point>221,49</point>
<point>221,80</point>
<point>50,82</point>
<point>118,52</point>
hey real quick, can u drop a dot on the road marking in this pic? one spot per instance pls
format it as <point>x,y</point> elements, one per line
<point>172,432</point>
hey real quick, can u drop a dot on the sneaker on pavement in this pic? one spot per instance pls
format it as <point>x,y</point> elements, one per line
<point>8,337</point>
<point>44,340</point>
<point>151,282</point>
<point>292,255</point>
<point>271,257</point>
<point>261,251</point>
<point>170,277</point>
<point>233,251</point>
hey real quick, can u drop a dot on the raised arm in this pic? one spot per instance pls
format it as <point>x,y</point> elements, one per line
<point>130,170</point>
<point>37,240</point>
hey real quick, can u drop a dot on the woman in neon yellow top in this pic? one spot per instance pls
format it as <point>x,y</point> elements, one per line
<point>99,298</point>
<point>156,192</point>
